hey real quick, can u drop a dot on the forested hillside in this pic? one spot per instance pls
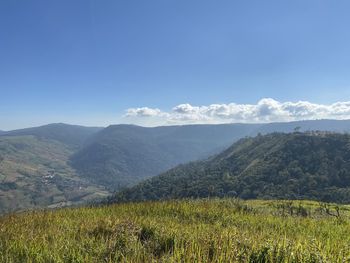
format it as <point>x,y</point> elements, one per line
<point>122,155</point>
<point>313,165</point>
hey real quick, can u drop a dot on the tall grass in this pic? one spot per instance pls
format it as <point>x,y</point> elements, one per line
<point>178,231</point>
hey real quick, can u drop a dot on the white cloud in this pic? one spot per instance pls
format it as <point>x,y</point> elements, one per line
<point>265,110</point>
<point>143,112</point>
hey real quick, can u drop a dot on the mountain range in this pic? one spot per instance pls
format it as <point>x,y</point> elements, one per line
<point>60,164</point>
<point>122,155</point>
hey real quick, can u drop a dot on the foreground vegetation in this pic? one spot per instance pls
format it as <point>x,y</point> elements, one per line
<point>216,230</point>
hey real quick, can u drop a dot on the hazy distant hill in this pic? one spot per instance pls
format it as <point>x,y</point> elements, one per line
<point>72,135</point>
<point>313,125</point>
<point>287,166</point>
<point>121,155</point>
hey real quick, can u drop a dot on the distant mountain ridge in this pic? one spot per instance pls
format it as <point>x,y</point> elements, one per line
<point>339,126</point>
<point>313,165</point>
<point>121,155</point>
<point>72,135</point>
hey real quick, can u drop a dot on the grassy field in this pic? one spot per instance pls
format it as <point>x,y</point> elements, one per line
<point>215,230</point>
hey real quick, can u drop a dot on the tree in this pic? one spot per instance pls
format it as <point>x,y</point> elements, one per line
<point>297,129</point>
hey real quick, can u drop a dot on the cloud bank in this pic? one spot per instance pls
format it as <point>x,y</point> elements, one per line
<point>266,110</point>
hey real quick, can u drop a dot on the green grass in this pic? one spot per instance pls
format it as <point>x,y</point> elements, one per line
<point>214,230</point>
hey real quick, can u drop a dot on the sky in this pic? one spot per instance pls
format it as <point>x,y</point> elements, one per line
<point>161,62</point>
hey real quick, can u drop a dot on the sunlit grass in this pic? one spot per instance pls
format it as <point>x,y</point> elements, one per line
<point>179,231</point>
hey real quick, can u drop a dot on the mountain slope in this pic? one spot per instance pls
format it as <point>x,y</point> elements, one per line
<point>34,168</point>
<point>72,135</point>
<point>279,166</point>
<point>121,155</point>
<point>34,173</point>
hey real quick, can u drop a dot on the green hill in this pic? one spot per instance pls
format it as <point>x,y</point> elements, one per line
<point>274,166</point>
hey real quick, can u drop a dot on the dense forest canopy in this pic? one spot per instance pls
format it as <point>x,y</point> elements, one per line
<point>311,165</point>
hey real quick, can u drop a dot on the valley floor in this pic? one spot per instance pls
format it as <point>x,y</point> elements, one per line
<point>215,230</point>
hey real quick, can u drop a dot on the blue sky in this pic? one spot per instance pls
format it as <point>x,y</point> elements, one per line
<point>88,62</point>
